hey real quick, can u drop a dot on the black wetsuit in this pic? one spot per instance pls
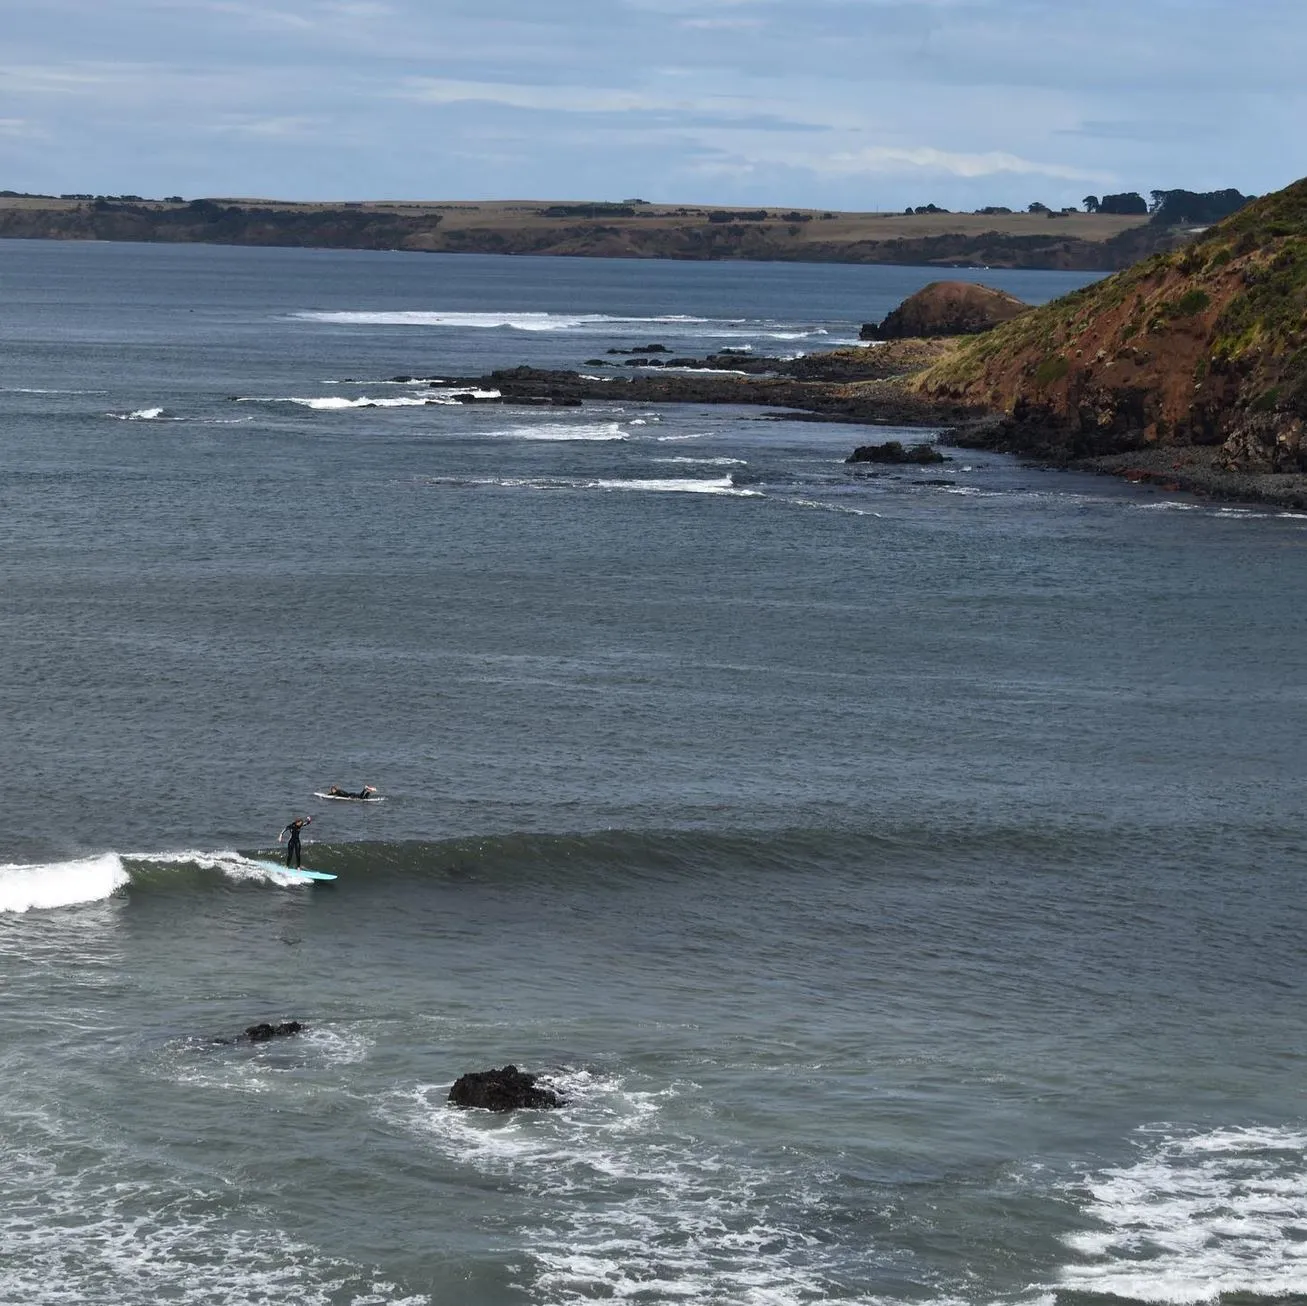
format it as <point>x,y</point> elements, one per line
<point>293,843</point>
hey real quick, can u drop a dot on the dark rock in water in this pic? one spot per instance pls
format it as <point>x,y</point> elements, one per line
<point>892,451</point>
<point>642,349</point>
<point>401,380</point>
<point>471,397</point>
<point>509,1089</point>
<point>263,1033</point>
<point>597,362</point>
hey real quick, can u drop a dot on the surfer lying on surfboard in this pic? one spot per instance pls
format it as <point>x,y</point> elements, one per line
<point>293,843</point>
<point>335,791</point>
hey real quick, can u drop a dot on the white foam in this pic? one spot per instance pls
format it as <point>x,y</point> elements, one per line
<point>1198,1216</point>
<point>830,507</point>
<point>508,319</point>
<point>85,1224</point>
<point>627,1208</point>
<point>140,415</point>
<point>722,485</point>
<point>712,371</point>
<point>563,431</point>
<point>704,462</point>
<point>673,324</point>
<point>413,380</point>
<point>329,403</point>
<point>60,884</point>
<point>672,439</point>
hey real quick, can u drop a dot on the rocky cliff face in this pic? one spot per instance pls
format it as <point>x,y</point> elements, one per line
<point>948,308</point>
<point>1206,345</point>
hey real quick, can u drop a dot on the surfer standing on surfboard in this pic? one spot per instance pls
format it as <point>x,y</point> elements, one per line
<point>293,843</point>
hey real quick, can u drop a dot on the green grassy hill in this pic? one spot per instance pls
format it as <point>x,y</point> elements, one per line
<point>1206,344</point>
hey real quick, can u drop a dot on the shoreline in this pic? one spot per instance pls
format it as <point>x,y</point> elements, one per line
<point>870,388</point>
<point>1080,242</point>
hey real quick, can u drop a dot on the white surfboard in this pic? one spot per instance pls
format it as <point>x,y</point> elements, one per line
<point>348,798</point>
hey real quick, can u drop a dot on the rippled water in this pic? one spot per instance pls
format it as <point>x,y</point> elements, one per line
<point>897,873</point>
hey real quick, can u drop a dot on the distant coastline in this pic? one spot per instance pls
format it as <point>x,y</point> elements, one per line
<point>1066,241</point>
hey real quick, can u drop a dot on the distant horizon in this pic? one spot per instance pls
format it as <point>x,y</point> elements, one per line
<point>123,196</point>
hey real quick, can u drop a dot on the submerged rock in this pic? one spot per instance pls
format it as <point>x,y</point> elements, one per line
<point>263,1033</point>
<point>509,1089</point>
<point>892,451</point>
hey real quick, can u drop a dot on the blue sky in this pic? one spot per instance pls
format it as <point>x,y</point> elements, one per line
<point>852,104</point>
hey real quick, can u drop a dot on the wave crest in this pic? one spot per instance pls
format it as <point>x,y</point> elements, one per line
<point>42,886</point>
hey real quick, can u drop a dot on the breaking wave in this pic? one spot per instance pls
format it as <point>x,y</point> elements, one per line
<point>1199,1216</point>
<point>60,884</point>
<point>563,431</point>
<point>576,323</point>
<point>329,403</point>
<point>142,415</point>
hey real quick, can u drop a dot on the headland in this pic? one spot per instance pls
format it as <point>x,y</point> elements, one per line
<point>1074,241</point>
<point>1187,371</point>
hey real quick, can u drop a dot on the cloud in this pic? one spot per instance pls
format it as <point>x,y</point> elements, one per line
<point>287,128</point>
<point>624,110</point>
<point>991,163</point>
<point>836,103</point>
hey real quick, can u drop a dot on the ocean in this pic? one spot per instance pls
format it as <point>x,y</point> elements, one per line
<point>897,870</point>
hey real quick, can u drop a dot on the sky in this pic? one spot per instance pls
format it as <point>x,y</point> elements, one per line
<point>842,104</point>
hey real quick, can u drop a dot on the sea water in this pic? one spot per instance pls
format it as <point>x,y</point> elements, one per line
<point>898,871</point>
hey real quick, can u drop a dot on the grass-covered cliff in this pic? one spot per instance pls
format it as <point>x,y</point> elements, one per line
<point>1204,345</point>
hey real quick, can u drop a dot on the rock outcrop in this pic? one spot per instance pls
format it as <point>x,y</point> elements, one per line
<point>892,451</point>
<point>947,308</point>
<point>1203,346</point>
<point>265,1033</point>
<point>508,1089</point>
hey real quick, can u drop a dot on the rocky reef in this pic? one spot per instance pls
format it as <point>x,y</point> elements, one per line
<point>894,452</point>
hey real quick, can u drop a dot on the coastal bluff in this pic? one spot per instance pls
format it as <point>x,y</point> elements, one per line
<point>1200,348</point>
<point>1096,242</point>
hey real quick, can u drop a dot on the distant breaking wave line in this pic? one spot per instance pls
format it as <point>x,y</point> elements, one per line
<point>582,323</point>
<point>328,403</point>
<point>509,319</point>
<point>561,432</point>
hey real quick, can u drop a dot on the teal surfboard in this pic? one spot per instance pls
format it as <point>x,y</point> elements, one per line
<point>296,871</point>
